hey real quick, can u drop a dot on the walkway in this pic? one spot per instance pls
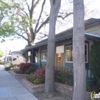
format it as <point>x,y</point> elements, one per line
<point>11,89</point>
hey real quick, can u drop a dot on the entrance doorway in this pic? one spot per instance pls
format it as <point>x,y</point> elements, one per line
<point>59,59</point>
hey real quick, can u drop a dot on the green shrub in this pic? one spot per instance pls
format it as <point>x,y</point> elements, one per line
<point>88,88</point>
<point>30,78</point>
<point>60,76</point>
<point>69,79</point>
<point>37,81</point>
<point>33,79</point>
<point>95,60</point>
<point>29,70</point>
<point>7,68</point>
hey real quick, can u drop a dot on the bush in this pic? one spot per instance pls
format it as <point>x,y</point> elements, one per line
<point>95,60</point>
<point>7,68</point>
<point>40,74</point>
<point>25,68</point>
<point>88,88</point>
<point>31,78</point>
<point>37,81</point>
<point>60,76</point>
<point>29,70</point>
<point>38,77</point>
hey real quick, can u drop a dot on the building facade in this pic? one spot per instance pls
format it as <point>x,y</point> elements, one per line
<point>64,48</point>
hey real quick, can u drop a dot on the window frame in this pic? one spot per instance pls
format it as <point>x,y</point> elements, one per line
<point>41,55</point>
<point>72,53</point>
<point>65,54</point>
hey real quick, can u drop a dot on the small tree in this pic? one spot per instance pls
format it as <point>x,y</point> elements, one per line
<point>95,60</point>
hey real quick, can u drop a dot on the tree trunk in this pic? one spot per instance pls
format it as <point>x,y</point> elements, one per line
<point>49,75</point>
<point>79,51</point>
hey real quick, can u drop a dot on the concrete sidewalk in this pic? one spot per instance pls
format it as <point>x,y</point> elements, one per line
<point>11,89</point>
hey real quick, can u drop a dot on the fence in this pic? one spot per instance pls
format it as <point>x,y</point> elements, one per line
<point>89,76</point>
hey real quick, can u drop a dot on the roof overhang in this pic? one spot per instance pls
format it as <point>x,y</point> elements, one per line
<point>61,37</point>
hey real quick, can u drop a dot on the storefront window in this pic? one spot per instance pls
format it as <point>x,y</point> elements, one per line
<point>69,53</point>
<point>44,55</point>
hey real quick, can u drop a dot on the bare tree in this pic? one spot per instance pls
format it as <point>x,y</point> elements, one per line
<point>78,51</point>
<point>49,75</point>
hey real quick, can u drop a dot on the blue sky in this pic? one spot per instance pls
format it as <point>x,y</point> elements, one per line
<point>20,44</point>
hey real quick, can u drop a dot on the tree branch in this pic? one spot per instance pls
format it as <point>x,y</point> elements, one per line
<point>37,3</point>
<point>46,21</point>
<point>31,11</point>
<point>22,10</point>
<point>67,14</point>
<point>19,28</point>
<point>22,36</point>
<point>28,5</point>
<point>40,16</point>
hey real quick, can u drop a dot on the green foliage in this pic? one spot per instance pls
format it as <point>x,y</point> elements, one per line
<point>95,60</point>
<point>29,70</point>
<point>1,53</point>
<point>30,78</point>
<point>14,18</point>
<point>60,76</point>
<point>38,77</point>
<point>17,19</point>
<point>88,88</point>
<point>69,79</point>
<point>37,81</point>
<point>7,29</point>
<point>7,67</point>
<point>33,79</point>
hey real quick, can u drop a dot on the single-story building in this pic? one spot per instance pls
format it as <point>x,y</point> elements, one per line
<point>63,56</point>
<point>14,57</point>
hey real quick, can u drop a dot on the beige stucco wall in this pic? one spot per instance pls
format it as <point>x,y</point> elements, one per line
<point>19,60</point>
